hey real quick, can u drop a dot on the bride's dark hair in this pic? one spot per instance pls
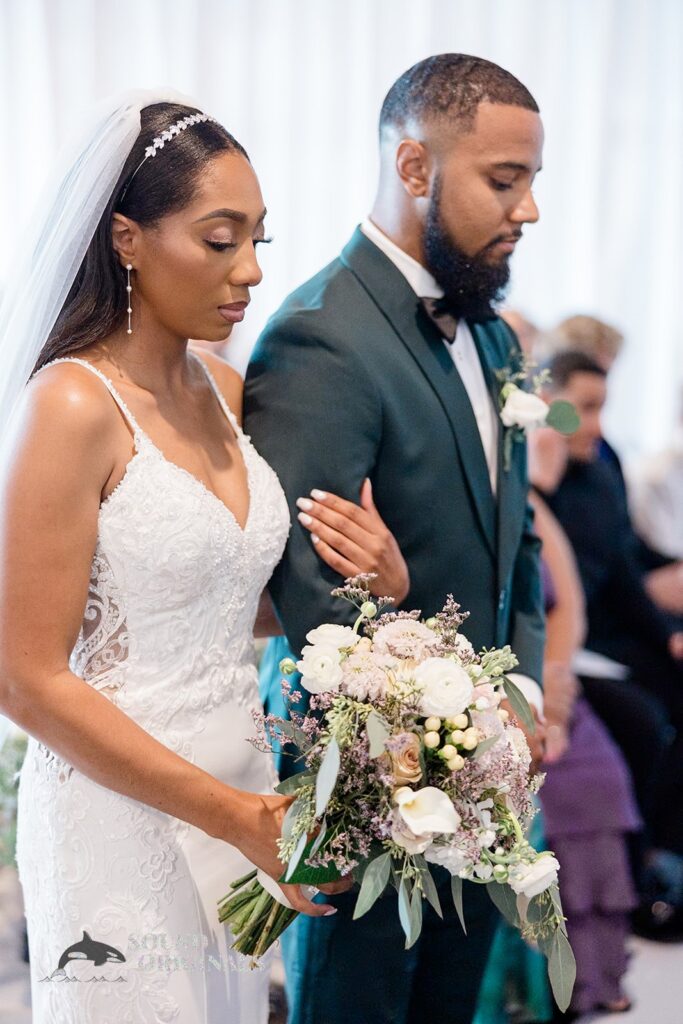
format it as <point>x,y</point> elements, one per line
<point>97,301</point>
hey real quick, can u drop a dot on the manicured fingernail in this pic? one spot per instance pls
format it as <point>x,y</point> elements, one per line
<point>319,495</point>
<point>303,518</point>
<point>305,503</point>
<point>315,538</point>
<point>330,912</point>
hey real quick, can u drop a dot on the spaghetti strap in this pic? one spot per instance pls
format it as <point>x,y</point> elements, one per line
<point>227,411</point>
<point>138,433</point>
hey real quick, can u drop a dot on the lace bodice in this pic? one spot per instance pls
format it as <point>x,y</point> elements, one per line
<point>175,584</point>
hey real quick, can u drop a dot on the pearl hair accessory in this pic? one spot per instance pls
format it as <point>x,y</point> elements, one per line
<point>129,289</point>
<point>166,136</point>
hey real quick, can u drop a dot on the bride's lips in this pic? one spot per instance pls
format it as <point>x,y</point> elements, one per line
<point>234,312</point>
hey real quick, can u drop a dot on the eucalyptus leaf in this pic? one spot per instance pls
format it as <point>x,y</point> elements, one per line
<point>295,782</point>
<point>327,777</point>
<point>561,969</point>
<point>456,892</point>
<point>378,733</point>
<point>293,733</point>
<point>522,906</point>
<point>519,704</point>
<point>415,917</point>
<point>545,943</point>
<point>292,814</point>
<point>563,417</point>
<point>404,909</point>
<point>430,891</point>
<point>318,840</point>
<point>557,904</point>
<point>296,856</point>
<point>535,910</point>
<point>485,745</point>
<point>505,900</point>
<point>374,883</point>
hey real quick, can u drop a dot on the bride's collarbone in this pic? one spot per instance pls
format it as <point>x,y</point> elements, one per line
<point>192,437</point>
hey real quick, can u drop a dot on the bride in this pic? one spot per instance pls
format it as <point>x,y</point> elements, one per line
<point>138,530</point>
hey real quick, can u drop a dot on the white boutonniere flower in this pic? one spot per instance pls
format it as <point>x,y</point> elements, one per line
<point>522,408</point>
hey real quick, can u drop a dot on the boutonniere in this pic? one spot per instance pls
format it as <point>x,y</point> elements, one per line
<point>522,408</point>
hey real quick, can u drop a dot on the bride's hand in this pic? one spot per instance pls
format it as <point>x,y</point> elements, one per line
<point>354,539</point>
<point>261,828</point>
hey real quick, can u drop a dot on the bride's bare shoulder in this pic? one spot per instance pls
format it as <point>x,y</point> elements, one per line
<point>69,400</point>
<point>227,379</point>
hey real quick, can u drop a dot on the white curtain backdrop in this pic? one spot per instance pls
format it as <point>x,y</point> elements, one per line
<point>300,83</point>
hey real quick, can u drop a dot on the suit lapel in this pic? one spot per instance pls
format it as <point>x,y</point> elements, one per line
<point>512,485</point>
<point>390,291</point>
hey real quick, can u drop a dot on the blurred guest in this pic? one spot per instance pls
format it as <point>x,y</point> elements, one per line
<point>656,496</point>
<point>527,332</point>
<point>587,800</point>
<point>663,578</point>
<point>586,334</point>
<point>631,669</point>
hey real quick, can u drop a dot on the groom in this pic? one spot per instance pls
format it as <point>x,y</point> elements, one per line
<point>384,365</point>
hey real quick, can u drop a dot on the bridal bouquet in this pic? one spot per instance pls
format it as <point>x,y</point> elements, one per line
<point>408,761</point>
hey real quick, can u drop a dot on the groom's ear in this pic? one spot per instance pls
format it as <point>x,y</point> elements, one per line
<point>413,167</point>
<point>125,234</point>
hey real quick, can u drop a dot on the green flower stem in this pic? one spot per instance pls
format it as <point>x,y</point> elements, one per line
<point>263,940</point>
<point>249,877</point>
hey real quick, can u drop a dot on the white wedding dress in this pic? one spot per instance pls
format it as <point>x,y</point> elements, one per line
<point>167,637</point>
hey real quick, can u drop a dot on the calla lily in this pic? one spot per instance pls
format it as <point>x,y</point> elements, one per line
<point>427,810</point>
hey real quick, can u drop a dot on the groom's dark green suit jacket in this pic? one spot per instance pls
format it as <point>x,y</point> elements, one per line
<point>351,379</point>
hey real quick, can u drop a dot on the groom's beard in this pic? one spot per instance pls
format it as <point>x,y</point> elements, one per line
<point>471,285</point>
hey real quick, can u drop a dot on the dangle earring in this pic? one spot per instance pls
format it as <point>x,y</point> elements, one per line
<point>129,289</point>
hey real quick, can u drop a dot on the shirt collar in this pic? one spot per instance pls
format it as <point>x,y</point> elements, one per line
<point>417,276</point>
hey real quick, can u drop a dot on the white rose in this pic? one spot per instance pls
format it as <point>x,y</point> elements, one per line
<point>427,810</point>
<point>320,668</point>
<point>523,409</point>
<point>332,635</point>
<point>531,879</point>
<point>448,857</point>
<point>446,688</point>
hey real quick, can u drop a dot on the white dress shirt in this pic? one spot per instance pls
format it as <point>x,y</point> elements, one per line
<point>463,352</point>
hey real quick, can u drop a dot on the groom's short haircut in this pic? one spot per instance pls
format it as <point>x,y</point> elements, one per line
<point>448,88</point>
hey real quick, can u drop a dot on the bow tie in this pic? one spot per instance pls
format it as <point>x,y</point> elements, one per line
<point>445,322</point>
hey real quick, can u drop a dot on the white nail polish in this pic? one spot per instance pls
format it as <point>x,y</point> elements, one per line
<point>303,518</point>
<point>329,913</point>
<point>318,495</point>
<point>315,538</point>
<point>305,503</point>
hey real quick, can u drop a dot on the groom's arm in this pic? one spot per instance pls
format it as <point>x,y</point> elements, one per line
<point>315,416</point>
<point>527,624</point>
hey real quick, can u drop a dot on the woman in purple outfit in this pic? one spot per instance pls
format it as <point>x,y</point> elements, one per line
<point>587,800</point>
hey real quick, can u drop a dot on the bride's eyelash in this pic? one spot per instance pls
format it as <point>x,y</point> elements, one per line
<point>222,246</point>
